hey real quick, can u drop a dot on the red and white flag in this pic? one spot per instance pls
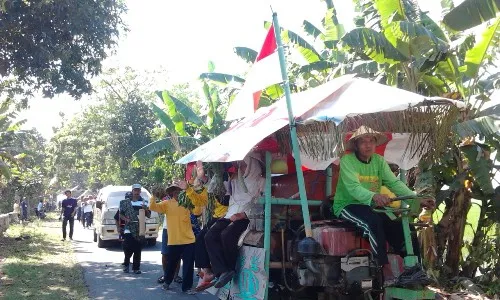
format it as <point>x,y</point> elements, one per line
<point>265,72</point>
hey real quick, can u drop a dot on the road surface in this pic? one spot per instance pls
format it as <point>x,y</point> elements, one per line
<point>105,278</point>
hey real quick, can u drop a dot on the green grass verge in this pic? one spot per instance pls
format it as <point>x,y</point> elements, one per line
<point>37,265</point>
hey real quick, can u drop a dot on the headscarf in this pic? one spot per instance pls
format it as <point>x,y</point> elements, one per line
<point>251,184</point>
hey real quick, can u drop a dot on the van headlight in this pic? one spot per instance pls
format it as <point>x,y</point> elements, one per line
<point>151,220</point>
<point>109,222</point>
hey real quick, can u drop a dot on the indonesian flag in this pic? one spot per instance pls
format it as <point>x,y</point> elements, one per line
<point>264,72</point>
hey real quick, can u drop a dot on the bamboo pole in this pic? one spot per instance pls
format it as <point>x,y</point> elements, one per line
<point>293,129</point>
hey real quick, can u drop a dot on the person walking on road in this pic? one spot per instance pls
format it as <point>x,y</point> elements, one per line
<point>129,213</point>
<point>68,211</point>
<point>87,214</point>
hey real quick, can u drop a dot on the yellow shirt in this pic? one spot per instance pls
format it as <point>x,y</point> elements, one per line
<point>219,210</point>
<point>180,231</point>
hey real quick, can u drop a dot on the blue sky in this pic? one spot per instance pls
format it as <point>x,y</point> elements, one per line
<point>182,36</point>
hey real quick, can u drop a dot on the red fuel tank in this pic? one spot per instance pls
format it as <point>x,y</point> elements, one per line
<point>336,241</point>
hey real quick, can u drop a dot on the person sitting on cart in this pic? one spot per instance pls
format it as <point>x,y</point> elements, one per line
<point>222,238</point>
<point>362,174</point>
<point>202,260</point>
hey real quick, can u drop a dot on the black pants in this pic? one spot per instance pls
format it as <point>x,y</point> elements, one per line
<point>202,259</point>
<point>175,252</point>
<point>379,229</point>
<point>87,219</point>
<point>132,246</point>
<point>71,221</point>
<point>222,244</point>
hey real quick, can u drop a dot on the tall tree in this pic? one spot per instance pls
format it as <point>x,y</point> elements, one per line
<point>55,46</point>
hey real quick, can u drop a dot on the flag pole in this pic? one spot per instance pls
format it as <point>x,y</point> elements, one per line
<point>293,129</point>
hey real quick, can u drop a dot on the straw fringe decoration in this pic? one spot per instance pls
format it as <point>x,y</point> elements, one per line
<point>427,124</point>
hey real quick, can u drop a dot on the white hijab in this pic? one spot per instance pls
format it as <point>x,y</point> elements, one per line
<point>252,184</point>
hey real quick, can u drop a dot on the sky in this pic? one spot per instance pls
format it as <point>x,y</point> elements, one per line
<point>183,36</point>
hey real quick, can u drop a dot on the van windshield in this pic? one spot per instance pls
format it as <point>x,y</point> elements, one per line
<point>114,198</point>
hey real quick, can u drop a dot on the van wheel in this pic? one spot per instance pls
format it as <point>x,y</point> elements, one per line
<point>100,242</point>
<point>95,236</point>
<point>151,242</point>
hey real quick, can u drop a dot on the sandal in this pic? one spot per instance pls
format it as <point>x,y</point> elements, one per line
<point>161,279</point>
<point>178,279</point>
<point>205,285</point>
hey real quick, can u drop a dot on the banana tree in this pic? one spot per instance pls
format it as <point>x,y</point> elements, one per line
<point>185,129</point>
<point>9,131</point>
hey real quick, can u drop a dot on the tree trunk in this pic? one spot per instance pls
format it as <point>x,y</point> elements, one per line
<point>458,218</point>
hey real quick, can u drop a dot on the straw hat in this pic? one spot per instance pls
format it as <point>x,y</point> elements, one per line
<point>365,131</point>
<point>172,186</point>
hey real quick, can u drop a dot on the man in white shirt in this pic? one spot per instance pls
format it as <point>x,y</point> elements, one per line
<point>87,214</point>
<point>39,209</point>
<point>222,238</point>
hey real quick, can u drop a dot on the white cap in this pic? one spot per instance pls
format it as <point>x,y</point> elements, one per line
<point>136,186</point>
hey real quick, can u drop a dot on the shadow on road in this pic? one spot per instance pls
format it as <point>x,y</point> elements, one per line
<point>107,281</point>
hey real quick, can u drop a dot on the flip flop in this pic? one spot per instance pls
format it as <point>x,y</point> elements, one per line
<point>161,279</point>
<point>205,285</point>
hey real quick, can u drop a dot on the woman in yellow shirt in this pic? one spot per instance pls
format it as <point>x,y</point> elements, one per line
<point>181,239</point>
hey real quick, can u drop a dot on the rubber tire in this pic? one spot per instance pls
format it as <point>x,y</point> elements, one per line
<point>151,242</point>
<point>95,236</point>
<point>100,242</point>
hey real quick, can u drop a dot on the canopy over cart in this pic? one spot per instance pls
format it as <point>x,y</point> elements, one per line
<point>326,114</point>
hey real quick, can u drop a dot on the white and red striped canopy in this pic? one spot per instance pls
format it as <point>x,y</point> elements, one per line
<point>333,101</point>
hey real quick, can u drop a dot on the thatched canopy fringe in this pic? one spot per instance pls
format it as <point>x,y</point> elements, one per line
<point>428,125</point>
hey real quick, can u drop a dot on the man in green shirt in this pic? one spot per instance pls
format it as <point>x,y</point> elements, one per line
<point>362,174</point>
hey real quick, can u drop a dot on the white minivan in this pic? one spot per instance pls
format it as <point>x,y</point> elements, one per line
<point>107,203</point>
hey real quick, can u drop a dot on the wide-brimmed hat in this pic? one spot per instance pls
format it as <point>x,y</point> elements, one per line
<point>172,186</point>
<point>365,131</point>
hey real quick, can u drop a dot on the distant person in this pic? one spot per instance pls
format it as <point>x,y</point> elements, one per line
<point>132,244</point>
<point>87,214</point>
<point>17,210</point>
<point>79,210</point>
<point>24,210</point>
<point>68,210</point>
<point>39,209</point>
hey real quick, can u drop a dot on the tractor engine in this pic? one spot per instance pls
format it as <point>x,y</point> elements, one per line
<point>334,259</point>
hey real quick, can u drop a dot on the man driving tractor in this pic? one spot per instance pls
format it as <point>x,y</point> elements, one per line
<point>362,174</point>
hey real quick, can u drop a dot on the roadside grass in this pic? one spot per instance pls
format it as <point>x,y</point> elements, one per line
<point>35,264</point>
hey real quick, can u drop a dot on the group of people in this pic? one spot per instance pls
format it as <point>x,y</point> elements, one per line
<point>84,212</point>
<point>214,249</point>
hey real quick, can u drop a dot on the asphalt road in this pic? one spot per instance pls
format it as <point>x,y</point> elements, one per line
<point>106,280</point>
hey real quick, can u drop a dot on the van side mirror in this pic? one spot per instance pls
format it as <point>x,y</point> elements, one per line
<point>98,204</point>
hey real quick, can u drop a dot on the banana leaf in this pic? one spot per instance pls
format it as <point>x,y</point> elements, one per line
<point>164,118</point>
<point>373,44</point>
<point>183,109</point>
<point>182,143</point>
<point>311,29</point>
<point>304,47</point>
<point>5,170</point>
<point>475,57</point>
<point>389,11</point>
<point>482,126</point>
<point>471,13</point>
<point>317,66</point>
<point>176,118</point>
<point>480,168</point>
<point>222,78</point>
<point>247,54</point>
<point>333,30</point>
